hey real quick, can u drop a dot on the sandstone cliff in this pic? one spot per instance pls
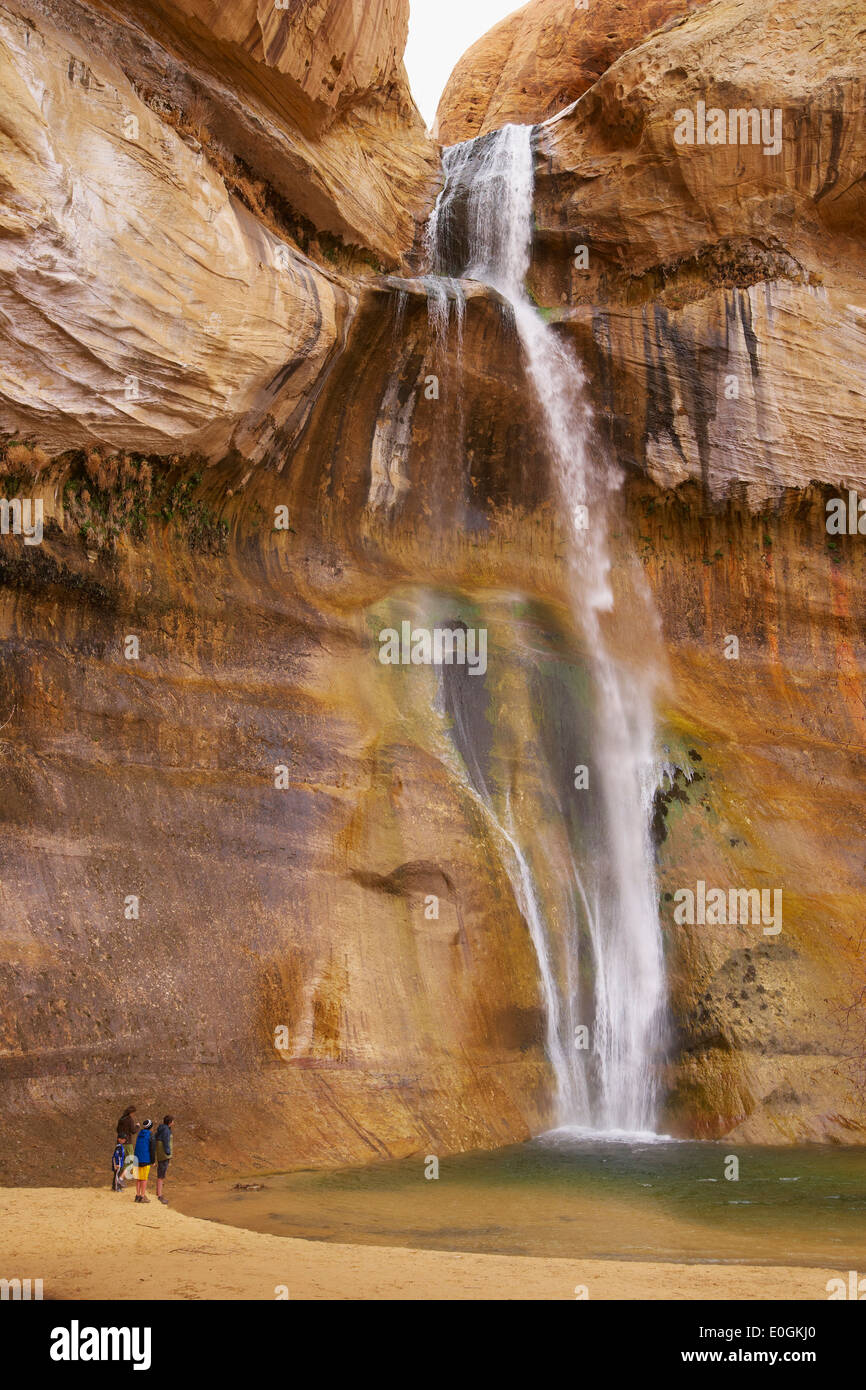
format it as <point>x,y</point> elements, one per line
<point>541,59</point>
<point>162,279</point>
<point>719,303</point>
<point>725,261</point>
<point>215,318</point>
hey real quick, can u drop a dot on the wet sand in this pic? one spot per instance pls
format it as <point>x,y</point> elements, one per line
<point>91,1244</point>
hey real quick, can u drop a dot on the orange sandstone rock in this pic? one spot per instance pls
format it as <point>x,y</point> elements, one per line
<point>541,59</point>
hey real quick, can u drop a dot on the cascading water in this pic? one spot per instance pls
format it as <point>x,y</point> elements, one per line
<point>481,229</point>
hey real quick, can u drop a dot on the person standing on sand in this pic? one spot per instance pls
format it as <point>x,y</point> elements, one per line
<point>163,1155</point>
<point>118,1162</point>
<point>145,1153</point>
<point>127,1128</point>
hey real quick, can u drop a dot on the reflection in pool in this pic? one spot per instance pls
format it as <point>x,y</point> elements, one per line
<point>568,1195</point>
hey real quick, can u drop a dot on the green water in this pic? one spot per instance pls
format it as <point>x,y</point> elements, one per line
<point>571,1197</point>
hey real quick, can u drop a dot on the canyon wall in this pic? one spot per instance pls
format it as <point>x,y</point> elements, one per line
<point>540,59</point>
<point>716,293</point>
<point>256,448</point>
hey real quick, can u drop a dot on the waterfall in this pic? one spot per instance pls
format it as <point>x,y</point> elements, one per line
<point>571,1100</point>
<point>481,229</point>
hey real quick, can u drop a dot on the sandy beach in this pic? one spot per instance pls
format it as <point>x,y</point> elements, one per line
<point>92,1244</point>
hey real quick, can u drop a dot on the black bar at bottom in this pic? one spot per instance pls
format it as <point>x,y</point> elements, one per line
<point>275,1342</point>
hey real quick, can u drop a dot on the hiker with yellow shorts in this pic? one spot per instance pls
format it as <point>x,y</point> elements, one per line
<point>145,1154</point>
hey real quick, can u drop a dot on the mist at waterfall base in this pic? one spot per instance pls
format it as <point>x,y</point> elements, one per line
<point>481,230</point>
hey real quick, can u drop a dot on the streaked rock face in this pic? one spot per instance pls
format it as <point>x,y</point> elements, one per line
<point>768,1029</point>
<point>329,962</point>
<point>705,391</point>
<point>143,306</point>
<point>711,269</point>
<point>312,98</point>
<point>720,309</point>
<point>335,53</point>
<point>541,59</point>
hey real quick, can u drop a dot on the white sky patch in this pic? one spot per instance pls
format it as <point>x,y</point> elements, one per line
<point>440,31</point>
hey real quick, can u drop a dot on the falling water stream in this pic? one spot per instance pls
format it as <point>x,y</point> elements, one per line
<point>481,229</point>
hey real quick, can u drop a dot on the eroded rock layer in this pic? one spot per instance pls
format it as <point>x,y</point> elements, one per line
<point>542,58</point>
<point>724,295</point>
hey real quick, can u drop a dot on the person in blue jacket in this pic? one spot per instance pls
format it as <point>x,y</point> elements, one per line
<point>145,1153</point>
<point>118,1159</point>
